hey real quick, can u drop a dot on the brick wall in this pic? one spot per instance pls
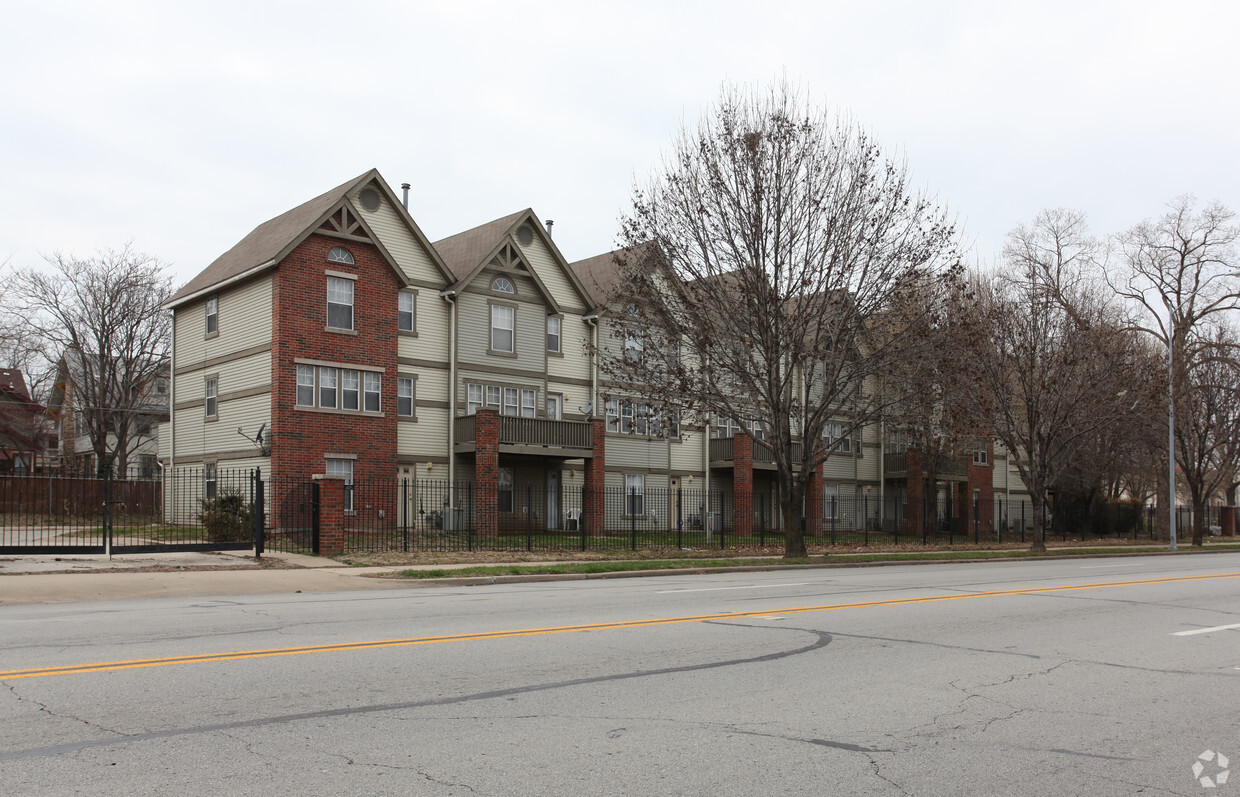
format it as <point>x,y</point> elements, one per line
<point>300,438</point>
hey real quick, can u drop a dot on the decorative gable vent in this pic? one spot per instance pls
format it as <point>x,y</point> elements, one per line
<point>508,258</point>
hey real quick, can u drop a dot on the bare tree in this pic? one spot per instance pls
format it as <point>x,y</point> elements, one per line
<point>1055,364</point>
<point>100,319</point>
<point>760,269</point>
<point>1182,280</point>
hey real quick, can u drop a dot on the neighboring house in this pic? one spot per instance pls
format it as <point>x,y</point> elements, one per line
<point>23,426</point>
<point>71,411</point>
<point>363,351</point>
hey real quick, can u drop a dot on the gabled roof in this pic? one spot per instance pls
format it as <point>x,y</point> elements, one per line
<point>465,251</point>
<point>267,242</point>
<point>468,253</point>
<point>601,275</point>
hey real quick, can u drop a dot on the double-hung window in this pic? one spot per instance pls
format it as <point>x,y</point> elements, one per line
<point>327,388</point>
<point>613,415</point>
<point>503,320</point>
<point>405,311</point>
<point>835,431</point>
<point>404,396</point>
<point>633,345</point>
<point>529,401</point>
<point>350,389</point>
<point>553,334</point>
<point>210,476</point>
<point>673,423</point>
<point>979,457</point>
<point>211,392</point>
<point>626,417</point>
<point>511,395</point>
<point>213,315</point>
<point>634,493</point>
<point>305,385</point>
<point>473,399</point>
<point>494,397</point>
<point>339,303</point>
<point>373,387</point>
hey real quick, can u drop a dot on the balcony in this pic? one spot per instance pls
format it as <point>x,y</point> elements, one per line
<point>723,454</point>
<point>950,469</point>
<point>531,436</point>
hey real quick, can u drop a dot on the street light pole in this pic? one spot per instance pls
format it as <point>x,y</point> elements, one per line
<point>1171,430</point>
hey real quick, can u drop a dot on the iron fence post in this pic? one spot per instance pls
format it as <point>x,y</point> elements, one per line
<point>314,517</point>
<point>680,518</point>
<point>976,531</point>
<point>631,509</point>
<point>529,528</point>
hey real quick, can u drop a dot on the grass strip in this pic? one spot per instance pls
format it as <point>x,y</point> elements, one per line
<point>706,564</point>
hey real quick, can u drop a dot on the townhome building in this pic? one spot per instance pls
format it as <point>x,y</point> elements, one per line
<point>335,340</point>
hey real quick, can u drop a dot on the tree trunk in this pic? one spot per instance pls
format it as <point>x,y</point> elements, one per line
<point>1037,496</point>
<point>1199,519</point>
<point>794,535</point>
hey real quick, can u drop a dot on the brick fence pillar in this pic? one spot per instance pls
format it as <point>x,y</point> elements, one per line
<point>594,499</point>
<point>1227,521</point>
<point>331,514</point>
<point>982,479</point>
<point>742,485</point>
<point>486,471</point>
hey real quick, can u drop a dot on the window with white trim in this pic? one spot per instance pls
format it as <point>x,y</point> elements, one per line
<point>626,417</point>
<point>210,479</point>
<point>473,398</point>
<point>831,501</point>
<point>503,324</point>
<point>343,468</point>
<point>342,389</point>
<point>404,396</point>
<point>529,403</point>
<point>503,285</point>
<point>613,415</point>
<point>339,303</point>
<point>835,431</point>
<point>213,315</point>
<point>633,345</point>
<point>980,458</point>
<point>505,399</point>
<point>305,385</point>
<point>510,401</point>
<point>339,254</point>
<point>494,397</point>
<point>634,493</point>
<point>327,388</point>
<point>211,392</point>
<point>350,389</point>
<point>673,423</point>
<point>405,311</point>
<point>554,324</point>
<point>372,384</point>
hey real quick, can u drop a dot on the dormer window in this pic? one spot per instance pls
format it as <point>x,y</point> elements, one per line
<point>502,285</point>
<point>339,254</point>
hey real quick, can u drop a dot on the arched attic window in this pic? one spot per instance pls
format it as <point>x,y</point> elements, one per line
<point>502,285</point>
<point>339,254</point>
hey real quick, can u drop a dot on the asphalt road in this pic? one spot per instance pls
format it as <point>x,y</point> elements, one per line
<point>1042,678</point>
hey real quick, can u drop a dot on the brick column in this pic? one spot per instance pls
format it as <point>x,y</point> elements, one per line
<point>486,471</point>
<point>742,485</point>
<point>916,487</point>
<point>594,499</point>
<point>331,514</point>
<point>1227,520</point>
<point>982,478</point>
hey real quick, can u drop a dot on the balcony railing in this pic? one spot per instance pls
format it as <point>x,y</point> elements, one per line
<point>954,467</point>
<point>722,449</point>
<point>529,432</point>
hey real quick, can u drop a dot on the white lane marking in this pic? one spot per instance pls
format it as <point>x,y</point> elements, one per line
<point>1104,567</point>
<point>720,589</point>
<point>1207,630</point>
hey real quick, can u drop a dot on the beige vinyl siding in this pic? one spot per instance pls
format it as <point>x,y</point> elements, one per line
<point>553,277</point>
<point>433,324</point>
<point>426,438</point>
<point>687,455</point>
<point>574,362</point>
<point>197,436</point>
<point>244,322</point>
<point>396,238</point>
<point>636,452</point>
<point>475,334</point>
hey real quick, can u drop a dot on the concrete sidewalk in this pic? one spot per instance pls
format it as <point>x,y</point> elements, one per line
<point>69,578</point>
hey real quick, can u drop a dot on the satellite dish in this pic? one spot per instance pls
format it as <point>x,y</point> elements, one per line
<point>587,409</point>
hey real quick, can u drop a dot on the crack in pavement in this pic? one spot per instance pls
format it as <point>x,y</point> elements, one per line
<point>45,709</point>
<point>821,640</point>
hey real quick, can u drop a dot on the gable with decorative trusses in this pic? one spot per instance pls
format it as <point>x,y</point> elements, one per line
<point>344,223</point>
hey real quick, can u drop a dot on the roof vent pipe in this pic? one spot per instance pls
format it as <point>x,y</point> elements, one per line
<point>404,187</point>
<point>549,223</point>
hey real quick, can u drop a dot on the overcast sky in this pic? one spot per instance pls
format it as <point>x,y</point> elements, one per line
<point>184,125</point>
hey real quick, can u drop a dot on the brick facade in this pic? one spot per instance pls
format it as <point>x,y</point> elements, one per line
<point>301,437</point>
<point>742,485</point>
<point>486,470</point>
<point>595,497</point>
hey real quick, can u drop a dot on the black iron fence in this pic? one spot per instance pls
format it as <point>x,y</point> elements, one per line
<point>205,509</point>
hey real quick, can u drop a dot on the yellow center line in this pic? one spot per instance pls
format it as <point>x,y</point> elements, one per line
<point>567,629</point>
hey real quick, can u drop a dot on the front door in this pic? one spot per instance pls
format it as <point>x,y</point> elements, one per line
<point>555,406</point>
